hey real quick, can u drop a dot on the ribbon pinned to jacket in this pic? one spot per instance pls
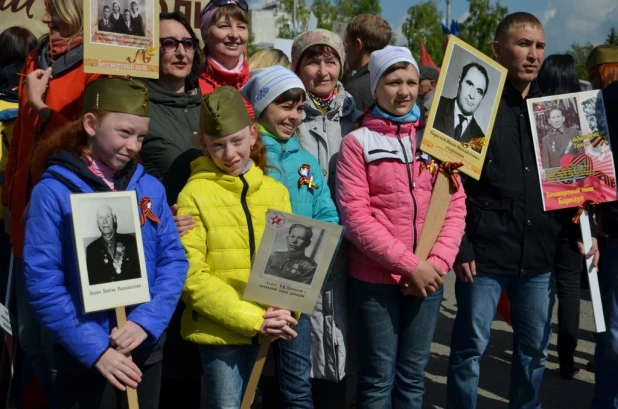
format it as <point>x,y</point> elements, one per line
<point>580,210</point>
<point>450,170</point>
<point>146,206</point>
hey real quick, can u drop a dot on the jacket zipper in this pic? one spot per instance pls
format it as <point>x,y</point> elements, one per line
<point>245,208</point>
<point>324,123</point>
<point>410,183</point>
<point>282,168</point>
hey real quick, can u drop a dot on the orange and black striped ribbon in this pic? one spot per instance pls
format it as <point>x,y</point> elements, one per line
<point>450,170</point>
<point>580,209</point>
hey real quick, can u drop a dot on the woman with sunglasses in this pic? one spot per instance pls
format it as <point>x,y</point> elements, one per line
<point>225,30</point>
<point>175,109</point>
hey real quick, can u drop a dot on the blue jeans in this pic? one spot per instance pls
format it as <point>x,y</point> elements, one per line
<point>532,301</point>
<point>606,351</point>
<point>393,340</point>
<point>34,341</point>
<point>293,366</point>
<point>227,369</point>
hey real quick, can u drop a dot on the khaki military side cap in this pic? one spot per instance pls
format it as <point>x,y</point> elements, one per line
<point>603,54</point>
<point>116,94</point>
<point>223,112</point>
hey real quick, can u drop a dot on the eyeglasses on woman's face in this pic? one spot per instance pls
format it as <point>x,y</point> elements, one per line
<point>170,44</point>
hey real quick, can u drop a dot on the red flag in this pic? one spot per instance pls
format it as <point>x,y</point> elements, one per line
<point>426,58</point>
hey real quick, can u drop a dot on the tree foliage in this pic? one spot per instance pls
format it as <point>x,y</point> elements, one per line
<point>612,37</point>
<point>302,17</point>
<point>480,27</point>
<point>347,9</point>
<point>423,21</point>
<point>326,13</point>
<point>580,52</point>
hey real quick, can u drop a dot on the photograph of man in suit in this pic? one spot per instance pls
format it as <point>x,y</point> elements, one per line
<point>126,26</point>
<point>455,116</point>
<point>137,21</point>
<point>293,264</point>
<point>558,141</point>
<point>116,17</point>
<point>113,256</point>
<point>105,24</point>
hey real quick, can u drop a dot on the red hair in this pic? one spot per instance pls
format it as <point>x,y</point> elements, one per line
<point>605,73</point>
<point>258,151</point>
<point>72,137</point>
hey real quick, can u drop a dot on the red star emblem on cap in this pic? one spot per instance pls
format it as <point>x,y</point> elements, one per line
<point>276,220</point>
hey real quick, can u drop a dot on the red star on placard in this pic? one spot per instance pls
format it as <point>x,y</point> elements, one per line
<point>276,220</point>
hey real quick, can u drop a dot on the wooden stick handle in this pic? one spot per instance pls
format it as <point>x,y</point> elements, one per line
<point>247,399</point>
<point>121,318</point>
<point>438,206</point>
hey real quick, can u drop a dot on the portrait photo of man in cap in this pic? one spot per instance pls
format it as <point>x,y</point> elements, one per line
<point>294,264</point>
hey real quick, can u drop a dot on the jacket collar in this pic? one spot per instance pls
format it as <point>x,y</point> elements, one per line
<point>514,95</point>
<point>218,78</point>
<point>388,128</point>
<point>274,145</point>
<point>341,106</point>
<point>364,70</point>
<point>204,168</point>
<point>160,96</point>
<point>64,63</point>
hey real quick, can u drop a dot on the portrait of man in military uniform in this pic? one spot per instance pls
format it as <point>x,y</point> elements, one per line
<point>559,140</point>
<point>294,264</point>
<point>113,256</point>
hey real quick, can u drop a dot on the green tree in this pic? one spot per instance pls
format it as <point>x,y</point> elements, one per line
<point>480,27</point>
<point>612,37</point>
<point>581,52</point>
<point>326,13</point>
<point>346,9</point>
<point>302,17</point>
<point>423,21</point>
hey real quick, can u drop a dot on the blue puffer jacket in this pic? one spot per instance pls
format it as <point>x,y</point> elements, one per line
<point>285,159</point>
<point>51,270</point>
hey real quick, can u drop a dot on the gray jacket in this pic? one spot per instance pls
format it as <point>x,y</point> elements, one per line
<point>321,136</point>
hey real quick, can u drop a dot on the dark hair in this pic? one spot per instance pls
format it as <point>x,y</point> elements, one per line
<point>317,51</point>
<point>373,30</point>
<point>558,75</point>
<point>479,67</point>
<point>198,55</point>
<point>294,95</point>
<point>126,11</point>
<point>518,19</point>
<point>133,2</point>
<point>16,43</point>
<point>106,7</point>
<point>308,230</point>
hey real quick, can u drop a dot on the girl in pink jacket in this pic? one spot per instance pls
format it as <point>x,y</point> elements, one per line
<point>384,185</point>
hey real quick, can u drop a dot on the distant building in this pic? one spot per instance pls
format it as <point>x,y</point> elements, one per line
<point>264,25</point>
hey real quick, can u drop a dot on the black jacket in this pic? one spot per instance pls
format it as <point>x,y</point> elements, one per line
<point>358,86</point>
<point>609,211</point>
<point>507,231</point>
<point>445,121</point>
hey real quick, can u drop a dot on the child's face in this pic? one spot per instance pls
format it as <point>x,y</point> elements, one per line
<point>231,153</point>
<point>283,119</point>
<point>396,92</point>
<point>115,138</point>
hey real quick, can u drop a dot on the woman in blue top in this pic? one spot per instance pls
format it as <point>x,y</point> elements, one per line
<point>96,154</point>
<point>278,98</point>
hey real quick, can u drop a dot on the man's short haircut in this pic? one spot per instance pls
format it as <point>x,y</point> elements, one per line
<point>556,109</point>
<point>373,30</point>
<point>127,11</point>
<point>107,7</point>
<point>519,19</point>
<point>479,67</point>
<point>133,2</point>
<point>308,230</point>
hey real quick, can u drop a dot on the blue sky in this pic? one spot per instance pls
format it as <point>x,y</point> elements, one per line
<point>565,21</point>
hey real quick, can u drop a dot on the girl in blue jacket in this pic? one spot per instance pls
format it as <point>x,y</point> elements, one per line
<point>278,98</point>
<point>97,154</point>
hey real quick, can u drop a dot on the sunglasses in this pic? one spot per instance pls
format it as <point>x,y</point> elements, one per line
<point>219,3</point>
<point>170,44</point>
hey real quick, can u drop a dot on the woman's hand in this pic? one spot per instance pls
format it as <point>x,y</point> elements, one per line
<point>278,323</point>
<point>425,280</point>
<point>183,223</point>
<point>36,86</point>
<point>118,370</point>
<point>127,338</point>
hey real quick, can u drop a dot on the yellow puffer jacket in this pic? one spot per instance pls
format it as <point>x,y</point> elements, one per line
<point>230,216</point>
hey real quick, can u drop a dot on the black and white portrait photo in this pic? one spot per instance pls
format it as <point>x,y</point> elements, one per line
<point>294,253</point>
<point>122,17</point>
<point>467,99</point>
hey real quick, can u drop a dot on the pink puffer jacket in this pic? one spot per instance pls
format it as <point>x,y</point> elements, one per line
<point>383,203</point>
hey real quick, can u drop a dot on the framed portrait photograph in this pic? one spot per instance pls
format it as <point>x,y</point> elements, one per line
<point>122,37</point>
<point>110,250</point>
<point>572,149</point>
<point>464,108</point>
<point>292,262</point>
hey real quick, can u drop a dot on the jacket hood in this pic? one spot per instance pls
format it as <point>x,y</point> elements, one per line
<point>64,63</point>
<point>73,172</point>
<point>342,106</point>
<point>160,96</point>
<point>9,80</point>
<point>388,128</point>
<point>278,146</point>
<point>204,168</point>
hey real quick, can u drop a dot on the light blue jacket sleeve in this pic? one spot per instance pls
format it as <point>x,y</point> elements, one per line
<point>323,205</point>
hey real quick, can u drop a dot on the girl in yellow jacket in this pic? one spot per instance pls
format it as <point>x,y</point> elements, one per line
<point>228,196</point>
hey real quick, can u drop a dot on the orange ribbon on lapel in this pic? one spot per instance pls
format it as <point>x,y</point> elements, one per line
<point>146,205</point>
<point>450,170</point>
<point>580,210</point>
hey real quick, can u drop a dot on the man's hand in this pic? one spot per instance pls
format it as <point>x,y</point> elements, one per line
<point>594,251</point>
<point>466,271</point>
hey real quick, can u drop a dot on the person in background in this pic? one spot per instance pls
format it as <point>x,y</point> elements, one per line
<point>428,80</point>
<point>364,34</point>
<point>50,96</point>
<point>329,113</point>
<point>137,21</point>
<point>228,196</point>
<point>558,76</point>
<point>96,153</point>
<point>117,18</point>
<point>278,98</point>
<point>105,23</point>
<point>602,66</point>
<point>267,58</point>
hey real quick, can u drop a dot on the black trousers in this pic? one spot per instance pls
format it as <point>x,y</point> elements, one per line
<point>89,390</point>
<point>569,266</point>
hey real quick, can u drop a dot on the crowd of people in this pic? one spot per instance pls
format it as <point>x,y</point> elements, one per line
<point>218,140</point>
